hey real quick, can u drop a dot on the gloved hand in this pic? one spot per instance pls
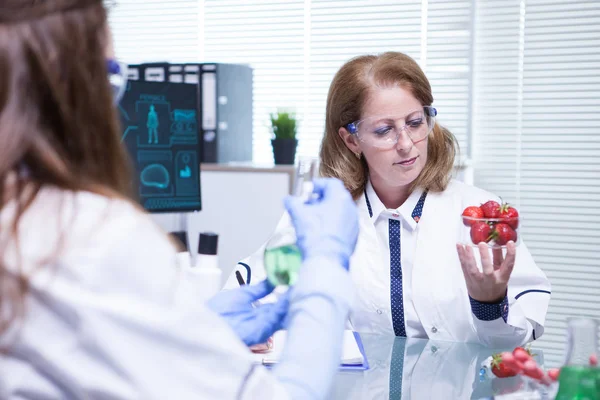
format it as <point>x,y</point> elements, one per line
<point>252,324</point>
<point>328,225</point>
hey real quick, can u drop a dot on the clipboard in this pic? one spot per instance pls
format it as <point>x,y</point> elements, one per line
<point>269,362</point>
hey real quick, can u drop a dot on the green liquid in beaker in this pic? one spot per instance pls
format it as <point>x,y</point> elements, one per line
<point>283,264</point>
<point>578,383</point>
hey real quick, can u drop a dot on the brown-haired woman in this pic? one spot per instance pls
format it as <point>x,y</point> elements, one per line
<point>413,279</point>
<point>87,282</point>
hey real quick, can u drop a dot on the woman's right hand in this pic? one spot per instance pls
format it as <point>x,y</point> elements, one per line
<point>328,225</point>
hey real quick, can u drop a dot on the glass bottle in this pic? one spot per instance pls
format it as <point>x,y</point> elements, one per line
<point>578,379</point>
<point>282,258</point>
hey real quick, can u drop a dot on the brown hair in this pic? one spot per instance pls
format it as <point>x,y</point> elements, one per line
<point>347,95</point>
<point>58,125</point>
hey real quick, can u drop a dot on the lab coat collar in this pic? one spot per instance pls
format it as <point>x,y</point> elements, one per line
<point>377,208</point>
<point>375,205</point>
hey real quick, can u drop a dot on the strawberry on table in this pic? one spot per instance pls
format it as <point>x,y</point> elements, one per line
<point>491,209</point>
<point>472,212</point>
<point>500,368</point>
<point>532,370</point>
<point>553,373</point>
<point>511,361</point>
<point>522,354</point>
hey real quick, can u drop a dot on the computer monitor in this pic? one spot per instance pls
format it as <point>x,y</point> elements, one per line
<point>160,130</point>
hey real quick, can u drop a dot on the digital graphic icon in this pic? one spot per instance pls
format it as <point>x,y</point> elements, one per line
<point>155,175</point>
<point>186,172</point>
<point>187,166</point>
<point>152,125</point>
<point>184,122</point>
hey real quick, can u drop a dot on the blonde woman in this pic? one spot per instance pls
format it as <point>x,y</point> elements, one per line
<point>413,279</point>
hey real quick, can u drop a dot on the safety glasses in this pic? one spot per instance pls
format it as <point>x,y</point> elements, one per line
<point>384,131</point>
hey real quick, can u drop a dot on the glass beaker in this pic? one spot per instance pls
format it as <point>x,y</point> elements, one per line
<point>282,258</point>
<point>578,379</point>
<point>306,170</point>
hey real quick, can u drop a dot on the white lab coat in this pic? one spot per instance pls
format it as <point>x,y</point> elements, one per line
<point>438,286</point>
<point>99,321</point>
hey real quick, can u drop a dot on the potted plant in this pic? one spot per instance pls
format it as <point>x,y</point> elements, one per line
<point>284,143</point>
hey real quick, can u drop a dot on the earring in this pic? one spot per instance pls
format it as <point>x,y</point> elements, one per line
<point>357,154</point>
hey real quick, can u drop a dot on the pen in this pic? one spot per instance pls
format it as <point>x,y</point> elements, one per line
<point>239,278</point>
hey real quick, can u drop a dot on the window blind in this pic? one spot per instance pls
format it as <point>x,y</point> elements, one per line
<point>448,48</point>
<point>269,36</point>
<point>536,126</point>
<point>341,30</point>
<point>153,30</point>
<point>295,48</point>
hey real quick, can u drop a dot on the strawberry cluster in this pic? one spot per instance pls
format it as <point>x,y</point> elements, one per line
<point>492,222</point>
<point>521,361</point>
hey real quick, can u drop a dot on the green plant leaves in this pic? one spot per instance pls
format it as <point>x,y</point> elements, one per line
<point>284,125</point>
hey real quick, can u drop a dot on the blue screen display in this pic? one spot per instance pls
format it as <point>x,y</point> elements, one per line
<point>160,130</point>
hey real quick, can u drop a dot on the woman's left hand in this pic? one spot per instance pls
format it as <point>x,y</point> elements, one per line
<point>254,324</point>
<point>489,285</point>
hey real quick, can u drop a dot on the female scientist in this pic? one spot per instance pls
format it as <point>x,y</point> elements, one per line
<point>87,280</point>
<point>412,278</point>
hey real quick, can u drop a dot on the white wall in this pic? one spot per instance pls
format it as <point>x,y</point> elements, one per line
<point>242,205</point>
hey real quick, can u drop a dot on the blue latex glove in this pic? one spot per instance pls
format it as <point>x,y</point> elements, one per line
<point>252,324</point>
<point>328,225</point>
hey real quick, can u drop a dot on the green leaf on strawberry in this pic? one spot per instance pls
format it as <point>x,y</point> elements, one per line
<point>510,215</point>
<point>503,233</point>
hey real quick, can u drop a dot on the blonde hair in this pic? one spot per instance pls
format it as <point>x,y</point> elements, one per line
<point>347,95</point>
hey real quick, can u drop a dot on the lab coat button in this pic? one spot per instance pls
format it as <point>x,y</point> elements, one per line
<point>434,349</point>
<point>379,312</point>
<point>434,329</point>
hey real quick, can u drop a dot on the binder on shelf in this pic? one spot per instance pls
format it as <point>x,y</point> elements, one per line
<point>225,104</point>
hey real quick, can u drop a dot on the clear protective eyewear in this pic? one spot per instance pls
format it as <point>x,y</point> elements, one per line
<point>383,131</point>
<point>117,76</point>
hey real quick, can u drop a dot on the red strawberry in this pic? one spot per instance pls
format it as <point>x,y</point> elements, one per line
<point>532,370</point>
<point>522,354</point>
<point>491,209</point>
<point>471,212</point>
<point>503,233</point>
<point>481,232</point>
<point>553,373</point>
<point>510,214</point>
<point>500,369</point>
